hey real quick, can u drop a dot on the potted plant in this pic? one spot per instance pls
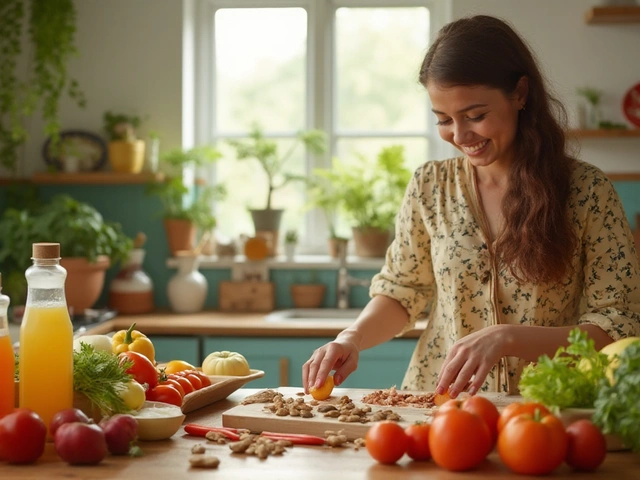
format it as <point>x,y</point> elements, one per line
<point>88,246</point>
<point>290,242</point>
<point>267,220</point>
<point>181,217</point>
<point>308,294</point>
<point>370,194</point>
<point>49,46</point>
<point>126,151</point>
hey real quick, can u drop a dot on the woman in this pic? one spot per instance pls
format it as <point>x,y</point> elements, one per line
<point>512,245</point>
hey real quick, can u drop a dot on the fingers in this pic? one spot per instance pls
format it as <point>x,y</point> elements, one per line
<point>481,374</point>
<point>317,368</point>
<point>346,369</point>
<point>449,371</point>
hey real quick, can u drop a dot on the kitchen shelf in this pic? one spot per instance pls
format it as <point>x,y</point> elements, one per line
<point>608,15</point>
<point>606,133</point>
<point>95,178</point>
<point>624,177</point>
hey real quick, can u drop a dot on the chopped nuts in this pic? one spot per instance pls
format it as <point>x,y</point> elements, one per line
<point>197,448</point>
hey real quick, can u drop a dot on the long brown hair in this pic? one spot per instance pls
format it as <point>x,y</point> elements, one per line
<point>538,241</point>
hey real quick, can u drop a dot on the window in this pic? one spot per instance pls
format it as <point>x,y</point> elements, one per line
<point>348,68</point>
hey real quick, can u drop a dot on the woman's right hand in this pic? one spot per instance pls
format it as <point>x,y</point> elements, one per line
<point>340,355</point>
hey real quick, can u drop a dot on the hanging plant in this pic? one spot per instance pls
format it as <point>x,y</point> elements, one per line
<point>51,28</point>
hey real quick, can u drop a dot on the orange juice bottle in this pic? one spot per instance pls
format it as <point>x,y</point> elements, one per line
<point>46,337</point>
<point>7,388</point>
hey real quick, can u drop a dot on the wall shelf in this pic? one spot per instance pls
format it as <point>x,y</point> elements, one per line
<point>95,178</point>
<point>609,15</point>
<point>606,133</point>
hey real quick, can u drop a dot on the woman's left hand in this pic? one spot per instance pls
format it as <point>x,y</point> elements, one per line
<point>471,356</point>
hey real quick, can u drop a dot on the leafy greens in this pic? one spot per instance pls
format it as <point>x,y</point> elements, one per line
<point>570,379</point>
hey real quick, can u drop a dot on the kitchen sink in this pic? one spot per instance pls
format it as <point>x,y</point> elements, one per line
<point>314,315</point>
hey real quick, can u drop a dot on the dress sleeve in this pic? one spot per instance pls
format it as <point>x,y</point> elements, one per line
<point>612,275</point>
<point>407,275</point>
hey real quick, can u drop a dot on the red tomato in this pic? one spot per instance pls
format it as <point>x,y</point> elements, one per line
<point>587,446</point>
<point>165,394</point>
<point>386,442</point>
<point>533,444</point>
<point>22,436</point>
<point>193,379</point>
<point>175,384</point>
<point>482,407</point>
<point>418,448</point>
<point>80,443</point>
<point>142,369</point>
<point>459,440</point>
<point>186,384</point>
<point>206,381</point>
<point>518,408</point>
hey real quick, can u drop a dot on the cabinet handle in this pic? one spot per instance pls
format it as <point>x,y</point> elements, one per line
<point>284,371</point>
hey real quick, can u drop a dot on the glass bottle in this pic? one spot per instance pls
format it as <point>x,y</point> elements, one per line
<point>46,337</point>
<point>7,361</point>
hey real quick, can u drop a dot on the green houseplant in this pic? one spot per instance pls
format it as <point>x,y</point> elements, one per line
<point>182,215</point>
<point>51,36</point>
<point>369,194</point>
<point>273,163</point>
<point>88,246</point>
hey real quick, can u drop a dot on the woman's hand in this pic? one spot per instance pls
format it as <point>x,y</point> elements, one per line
<point>472,356</point>
<point>340,355</point>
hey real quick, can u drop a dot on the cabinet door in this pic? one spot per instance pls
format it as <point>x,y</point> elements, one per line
<point>383,366</point>
<point>177,348</point>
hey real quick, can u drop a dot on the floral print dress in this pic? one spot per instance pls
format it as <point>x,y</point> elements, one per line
<point>441,258</point>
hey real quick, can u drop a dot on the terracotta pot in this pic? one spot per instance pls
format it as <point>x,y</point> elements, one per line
<point>308,296</point>
<point>371,242</point>
<point>335,244</point>
<point>181,234</point>
<point>126,157</point>
<point>84,281</point>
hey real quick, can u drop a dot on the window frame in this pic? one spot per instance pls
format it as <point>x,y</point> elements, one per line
<point>320,84</point>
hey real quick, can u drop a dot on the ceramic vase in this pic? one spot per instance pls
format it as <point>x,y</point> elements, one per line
<point>131,291</point>
<point>187,289</point>
<point>289,251</point>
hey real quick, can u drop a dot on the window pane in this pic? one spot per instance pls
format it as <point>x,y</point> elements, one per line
<point>260,56</point>
<point>415,150</point>
<point>378,55</point>
<point>247,185</point>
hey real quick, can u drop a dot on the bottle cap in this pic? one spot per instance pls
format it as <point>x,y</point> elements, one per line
<point>46,250</point>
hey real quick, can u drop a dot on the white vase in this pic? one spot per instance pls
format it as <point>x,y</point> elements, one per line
<point>187,289</point>
<point>289,251</point>
<point>131,291</point>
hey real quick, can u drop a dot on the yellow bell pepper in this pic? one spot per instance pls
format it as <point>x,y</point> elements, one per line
<point>133,341</point>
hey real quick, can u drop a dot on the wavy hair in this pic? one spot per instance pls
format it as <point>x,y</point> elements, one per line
<point>538,241</point>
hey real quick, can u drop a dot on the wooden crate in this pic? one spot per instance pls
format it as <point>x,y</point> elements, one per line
<point>247,296</point>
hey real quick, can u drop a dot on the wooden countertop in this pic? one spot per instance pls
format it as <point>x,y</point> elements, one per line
<point>228,324</point>
<point>168,459</point>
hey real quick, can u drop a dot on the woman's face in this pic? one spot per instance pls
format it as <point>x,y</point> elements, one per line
<point>479,121</point>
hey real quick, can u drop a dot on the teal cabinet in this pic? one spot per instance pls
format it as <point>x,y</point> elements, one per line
<point>282,360</point>
<point>177,348</point>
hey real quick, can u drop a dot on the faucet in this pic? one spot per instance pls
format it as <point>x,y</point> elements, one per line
<point>345,281</point>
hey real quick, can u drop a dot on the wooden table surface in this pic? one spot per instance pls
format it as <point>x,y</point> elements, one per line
<point>168,459</point>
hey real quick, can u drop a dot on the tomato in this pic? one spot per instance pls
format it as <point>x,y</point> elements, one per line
<point>518,408</point>
<point>22,436</point>
<point>482,407</point>
<point>142,369</point>
<point>165,394</point>
<point>533,444</point>
<point>175,384</point>
<point>459,440</point>
<point>175,366</point>
<point>193,379</point>
<point>206,381</point>
<point>587,446</point>
<point>418,448</point>
<point>186,384</point>
<point>67,415</point>
<point>386,442</point>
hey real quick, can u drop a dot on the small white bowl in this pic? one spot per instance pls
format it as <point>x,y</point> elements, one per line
<point>158,421</point>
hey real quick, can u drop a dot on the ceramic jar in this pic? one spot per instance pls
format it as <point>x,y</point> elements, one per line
<point>187,289</point>
<point>131,291</point>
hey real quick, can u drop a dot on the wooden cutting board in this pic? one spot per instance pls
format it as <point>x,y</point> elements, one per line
<point>255,418</point>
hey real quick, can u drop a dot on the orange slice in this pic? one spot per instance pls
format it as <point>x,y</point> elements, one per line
<point>323,392</point>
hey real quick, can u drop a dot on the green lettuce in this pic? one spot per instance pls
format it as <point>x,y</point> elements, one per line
<point>618,404</point>
<point>570,379</point>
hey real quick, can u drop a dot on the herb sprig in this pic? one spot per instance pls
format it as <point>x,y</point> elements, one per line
<point>570,379</point>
